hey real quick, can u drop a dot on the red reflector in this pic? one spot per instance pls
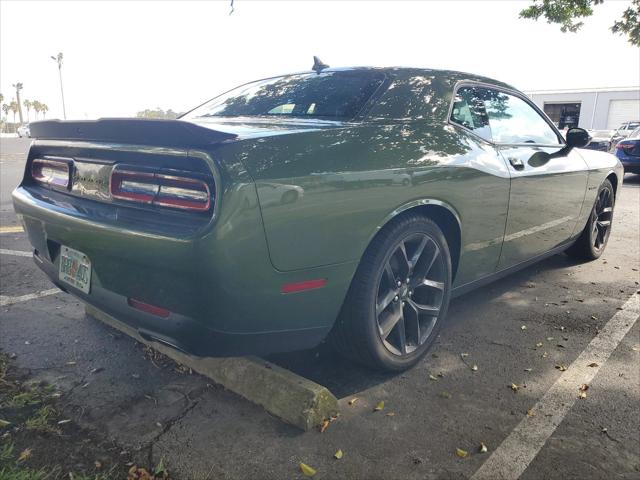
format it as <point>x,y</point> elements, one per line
<point>306,285</point>
<point>145,307</point>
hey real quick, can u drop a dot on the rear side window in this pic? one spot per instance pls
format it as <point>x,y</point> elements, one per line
<point>328,95</point>
<point>469,111</point>
<point>512,120</point>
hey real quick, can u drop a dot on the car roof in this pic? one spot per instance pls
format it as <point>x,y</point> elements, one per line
<point>453,75</point>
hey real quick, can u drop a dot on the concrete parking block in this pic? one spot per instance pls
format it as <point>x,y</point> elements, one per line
<point>290,397</point>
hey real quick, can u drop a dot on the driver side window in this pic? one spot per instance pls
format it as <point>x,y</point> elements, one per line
<point>512,120</point>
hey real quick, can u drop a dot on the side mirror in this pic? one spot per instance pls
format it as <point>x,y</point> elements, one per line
<point>577,138</point>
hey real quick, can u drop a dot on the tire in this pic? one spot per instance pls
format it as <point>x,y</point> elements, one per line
<point>389,323</point>
<point>593,240</point>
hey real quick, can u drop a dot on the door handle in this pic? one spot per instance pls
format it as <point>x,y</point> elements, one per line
<point>516,163</point>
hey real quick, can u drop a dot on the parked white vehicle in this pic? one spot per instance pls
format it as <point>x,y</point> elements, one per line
<point>23,131</point>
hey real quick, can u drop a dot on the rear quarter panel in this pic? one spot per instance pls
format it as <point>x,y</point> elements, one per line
<point>346,183</point>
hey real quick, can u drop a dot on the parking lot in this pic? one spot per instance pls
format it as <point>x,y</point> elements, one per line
<point>506,373</point>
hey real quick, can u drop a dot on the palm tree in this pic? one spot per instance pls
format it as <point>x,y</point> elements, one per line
<point>5,109</point>
<point>1,98</point>
<point>44,109</point>
<point>36,107</point>
<point>28,104</point>
<point>13,106</point>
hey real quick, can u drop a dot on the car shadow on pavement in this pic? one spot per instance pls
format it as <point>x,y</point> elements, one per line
<point>343,378</point>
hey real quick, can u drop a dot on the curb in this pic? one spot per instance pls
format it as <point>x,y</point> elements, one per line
<point>290,397</point>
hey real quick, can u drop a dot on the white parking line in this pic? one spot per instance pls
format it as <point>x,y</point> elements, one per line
<point>518,450</point>
<point>16,253</point>
<point>4,300</point>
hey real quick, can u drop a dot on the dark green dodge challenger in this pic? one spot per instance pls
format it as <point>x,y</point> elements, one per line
<point>344,203</point>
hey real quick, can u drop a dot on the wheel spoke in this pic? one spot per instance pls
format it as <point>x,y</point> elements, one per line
<point>390,322</point>
<point>424,266</point>
<point>415,258</point>
<point>430,310</point>
<point>402,336</point>
<point>432,284</point>
<point>385,301</point>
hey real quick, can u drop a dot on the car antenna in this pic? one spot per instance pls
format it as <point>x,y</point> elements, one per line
<point>318,65</point>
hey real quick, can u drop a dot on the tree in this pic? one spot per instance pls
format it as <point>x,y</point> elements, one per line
<point>35,104</point>
<point>567,12</point>
<point>44,109</point>
<point>6,109</point>
<point>28,104</point>
<point>13,106</point>
<point>1,98</point>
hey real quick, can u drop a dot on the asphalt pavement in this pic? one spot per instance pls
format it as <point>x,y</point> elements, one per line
<point>505,372</point>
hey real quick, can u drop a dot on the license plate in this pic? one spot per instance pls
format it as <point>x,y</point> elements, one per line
<point>75,269</point>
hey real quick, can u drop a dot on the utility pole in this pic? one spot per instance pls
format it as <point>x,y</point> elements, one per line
<point>18,87</point>
<point>58,59</point>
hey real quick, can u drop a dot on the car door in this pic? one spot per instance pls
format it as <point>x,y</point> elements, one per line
<point>548,183</point>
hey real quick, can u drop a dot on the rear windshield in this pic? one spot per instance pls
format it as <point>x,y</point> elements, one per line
<point>329,95</point>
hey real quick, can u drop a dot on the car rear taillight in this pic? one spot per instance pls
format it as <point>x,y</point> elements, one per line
<point>54,173</point>
<point>624,146</point>
<point>174,191</point>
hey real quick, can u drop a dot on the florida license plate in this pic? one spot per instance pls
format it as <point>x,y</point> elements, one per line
<point>75,269</point>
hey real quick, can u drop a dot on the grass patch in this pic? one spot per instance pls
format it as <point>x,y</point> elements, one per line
<point>42,420</point>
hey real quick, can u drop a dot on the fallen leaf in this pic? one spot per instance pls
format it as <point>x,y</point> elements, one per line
<point>464,355</point>
<point>528,369</point>
<point>431,377</point>
<point>549,339</point>
<point>353,401</point>
<point>582,395</point>
<point>338,455</point>
<point>379,406</point>
<point>544,355</point>
<point>584,387</point>
<point>483,448</point>
<point>97,370</point>
<point>440,375</point>
<point>160,468</point>
<point>390,414</point>
<point>593,365</point>
<point>462,453</point>
<point>444,394</point>
<point>98,464</point>
<point>523,327</point>
<point>62,422</point>
<point>324,425</point>
<point>562,368</point>
<point>70,363</point>
<point>538,345</point>
<point>4,423</point>
<point>306,470</point>
<point>531,413</point>
<point>474,368</point>
<point>514,387</point>
<point>26,453</point>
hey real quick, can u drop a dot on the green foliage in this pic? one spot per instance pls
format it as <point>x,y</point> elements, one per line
<point>42,420</point>
<point>567,13</point>
<point>158,113</point>
<point>630,23</point>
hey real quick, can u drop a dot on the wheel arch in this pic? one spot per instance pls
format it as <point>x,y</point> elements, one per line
<point>613,178</point>
<point>443,214</point>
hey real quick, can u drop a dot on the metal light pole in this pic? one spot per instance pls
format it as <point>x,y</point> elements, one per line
<point>58,59</point>
<point>18,87</point>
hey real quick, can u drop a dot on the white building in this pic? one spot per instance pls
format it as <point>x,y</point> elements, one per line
<point>592,108</point>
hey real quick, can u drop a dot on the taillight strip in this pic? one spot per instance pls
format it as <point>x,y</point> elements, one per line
<point>51,172</point>
<point>159,189</point>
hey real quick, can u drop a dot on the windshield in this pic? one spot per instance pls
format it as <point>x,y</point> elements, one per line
<point>635,133</point>
<point>330,95</point>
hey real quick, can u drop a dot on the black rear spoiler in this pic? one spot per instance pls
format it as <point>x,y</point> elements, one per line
<point>134,131</point>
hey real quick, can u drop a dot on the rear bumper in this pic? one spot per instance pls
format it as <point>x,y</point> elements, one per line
<point>184,333</point>
<point>631,163</point>
<point>218,282</point>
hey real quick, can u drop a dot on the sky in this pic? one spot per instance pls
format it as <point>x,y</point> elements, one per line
<point>122,57</point>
